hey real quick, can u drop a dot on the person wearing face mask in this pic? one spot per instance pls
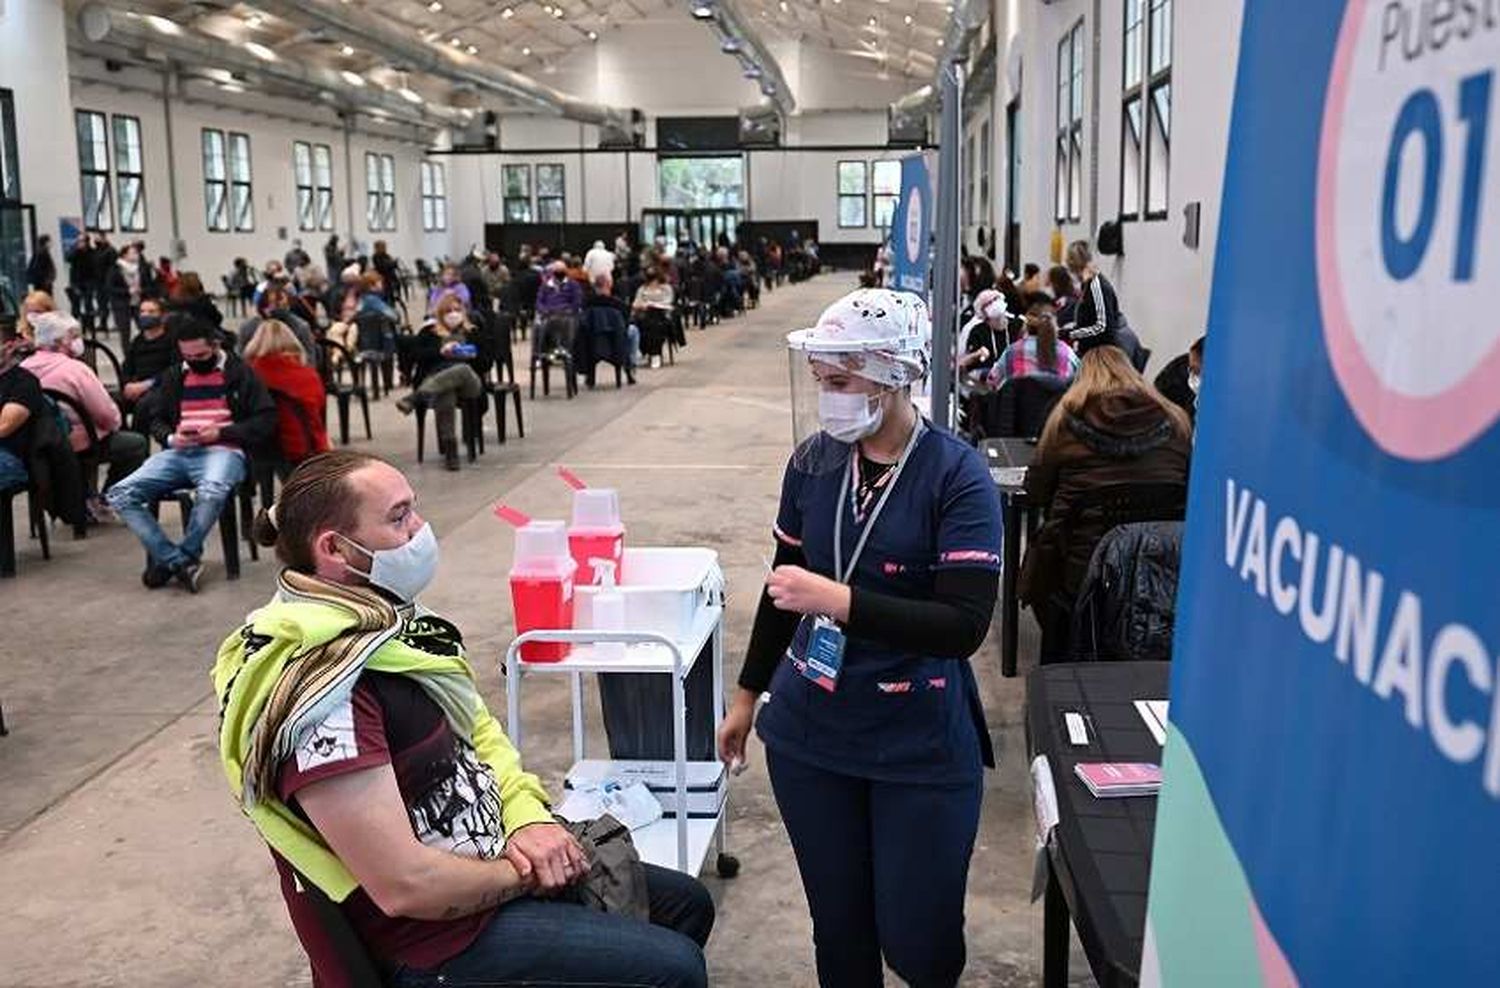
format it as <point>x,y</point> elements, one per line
<point>449,283</point>
<point>212,411</point>
<point>276,303</point>
<point>559,302</point>
<point>887,564</point>
<point>355,738</point>
<point>1180,379</point>
<point>150,353</point>
<point>444,373</point>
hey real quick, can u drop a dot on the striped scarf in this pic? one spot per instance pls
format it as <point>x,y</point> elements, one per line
<point>320,677</point>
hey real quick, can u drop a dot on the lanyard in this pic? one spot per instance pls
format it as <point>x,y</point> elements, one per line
<point>844,573</point>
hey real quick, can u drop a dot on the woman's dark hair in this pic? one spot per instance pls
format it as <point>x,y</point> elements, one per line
<point>981,274</point>
<point>1041,322</point>
<point>316,497</point>
<point>1029,271</point>
<point>1060,280</point>
<point>186,326</point>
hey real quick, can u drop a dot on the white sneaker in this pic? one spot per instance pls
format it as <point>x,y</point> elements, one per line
<point>656,363</point>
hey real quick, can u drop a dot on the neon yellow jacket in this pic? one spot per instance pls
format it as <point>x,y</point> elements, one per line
<point>251,660</point>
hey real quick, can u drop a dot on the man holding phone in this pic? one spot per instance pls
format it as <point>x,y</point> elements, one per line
<point>213,412</point>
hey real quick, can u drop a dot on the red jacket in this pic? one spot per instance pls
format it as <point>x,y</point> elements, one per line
<point>287,376</point>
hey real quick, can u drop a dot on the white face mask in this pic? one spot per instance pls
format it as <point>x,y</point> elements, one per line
<point>1195,381</point>
<point>453,319</point>
<point>405,570</point>
<point>849,417</point>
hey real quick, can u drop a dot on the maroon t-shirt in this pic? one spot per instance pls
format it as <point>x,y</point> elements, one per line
<point>450,796</point>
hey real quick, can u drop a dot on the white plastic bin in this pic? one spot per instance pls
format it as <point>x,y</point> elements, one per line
<point>664,589</point>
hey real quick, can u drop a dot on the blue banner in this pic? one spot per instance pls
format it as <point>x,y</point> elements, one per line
<point>1332,797</point>
<point>911,228</point>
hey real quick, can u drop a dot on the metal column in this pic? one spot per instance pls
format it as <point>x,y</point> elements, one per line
<point>946,229</point>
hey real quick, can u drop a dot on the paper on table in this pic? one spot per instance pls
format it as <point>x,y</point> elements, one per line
<point>1154,713</point>
<point>1044,803</point>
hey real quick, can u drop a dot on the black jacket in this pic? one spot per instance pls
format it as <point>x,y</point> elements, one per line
<point>1127,604</point>
<point>250,405</point>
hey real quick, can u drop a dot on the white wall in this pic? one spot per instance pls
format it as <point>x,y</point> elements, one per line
<point>33,56</point>
<point>272,125</point>
<point>1164,285</point>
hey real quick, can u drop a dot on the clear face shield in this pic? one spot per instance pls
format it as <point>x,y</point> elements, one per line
<point>832,403</point>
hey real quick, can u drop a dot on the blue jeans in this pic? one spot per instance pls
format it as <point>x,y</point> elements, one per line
<point>12,470</point>
<point>885,866</point>
<point>213,473</point>
<point>554,943</point>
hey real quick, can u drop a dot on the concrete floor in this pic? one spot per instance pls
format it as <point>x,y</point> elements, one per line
<point>123,860</point>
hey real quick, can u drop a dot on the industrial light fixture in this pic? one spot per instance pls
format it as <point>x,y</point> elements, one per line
<point>557,12</point>
<point>872,22</point>
<point>164,25</point>
<point>472,50</point>
<point>253,21</point>
<point>508,13</point>
<point>260,51</point>
<point>703,10</point>
<point>907,18</point>
<point>352,78</point>
<point>784,7</point>
<point>526,51</point>
<point>409,94</point>
<point>730,46</point>
<point>231,87</point>
<point>752,72</point>
<point>455,41</point>
<point>346,50</point>
<point>435,6</point>
<point>593,35</point>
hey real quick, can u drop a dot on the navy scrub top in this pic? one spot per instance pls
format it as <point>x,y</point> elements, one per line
<point>896,716</point>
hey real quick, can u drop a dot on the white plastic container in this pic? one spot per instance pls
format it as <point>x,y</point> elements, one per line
<point>664,589</point>
<point>607,612</point>
<point>707,783</point>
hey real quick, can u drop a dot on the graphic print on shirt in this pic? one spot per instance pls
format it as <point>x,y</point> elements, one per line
<point>460,810</point>
<point>331,741</point>
<point>433,635</point>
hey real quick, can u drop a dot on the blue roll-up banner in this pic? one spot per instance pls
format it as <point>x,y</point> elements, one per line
<point>1331,812</point>
<point>911,228</point>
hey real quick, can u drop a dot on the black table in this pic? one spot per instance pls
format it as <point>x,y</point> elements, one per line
<point>1005,457</point>
<point>1099,855</point>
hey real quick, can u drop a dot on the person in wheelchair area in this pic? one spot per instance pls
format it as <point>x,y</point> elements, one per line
<point>1111,427</point>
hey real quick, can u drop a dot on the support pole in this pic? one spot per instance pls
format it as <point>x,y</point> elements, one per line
<point>947,231</point>
<point>168,79</point>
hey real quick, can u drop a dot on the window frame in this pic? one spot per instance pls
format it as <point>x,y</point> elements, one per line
<point>507,199</point>
<point>1152,78</point>
<point>210,183</point>
<point>559,200</point>
<point>123,173</point>
<point>984,173</point>
<point>104,204</point>
<point>434,188</point>
<point>242,220</point>
<point>1068,146</point>
<point>863,196</point>
<point>380,192</point>
<point>877,198</point>
<point>314,197</point>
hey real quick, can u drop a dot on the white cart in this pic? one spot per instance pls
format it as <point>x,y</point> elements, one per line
<point>680,842</point>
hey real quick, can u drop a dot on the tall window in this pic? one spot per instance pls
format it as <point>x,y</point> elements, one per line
<point>887,191</point>
<point>971,175</point>
<point>215,182</point>
<point>130,180</point>
<point>93,170</point>
<point>434,197</point>
<point>312,166</point>
<point>549,194</point>
<point>1146,124</point>
<point>380,192</point>
<point>1069,171</point>
<point>854,189</point>
<point>241,198</point>
<point>10,154</point>
<point>515,183</point>
<point>702,183</point>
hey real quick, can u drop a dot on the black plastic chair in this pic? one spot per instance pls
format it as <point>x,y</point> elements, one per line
<point>471,418</point>
<point>344,380</point>
<point>547,353</point>
<point>601,336</point>
<point>7,524</point>
<point>502,384</point>
<point>354,964</point>
<point>266,468</point>
<point>376,335</point>
<point>91,351</point>
<point>236,516</point>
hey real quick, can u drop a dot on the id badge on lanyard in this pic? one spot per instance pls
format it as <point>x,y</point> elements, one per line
<point>825,646</point>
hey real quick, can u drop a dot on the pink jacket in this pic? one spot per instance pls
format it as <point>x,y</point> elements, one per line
<point>60,372</point>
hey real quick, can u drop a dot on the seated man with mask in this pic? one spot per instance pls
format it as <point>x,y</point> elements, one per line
<point>213,411</point>
<point>356,740</point>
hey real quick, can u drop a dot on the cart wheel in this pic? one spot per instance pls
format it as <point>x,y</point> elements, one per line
<point>727,865</point>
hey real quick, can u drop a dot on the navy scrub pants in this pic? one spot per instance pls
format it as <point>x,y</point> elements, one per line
<point>884,866</point>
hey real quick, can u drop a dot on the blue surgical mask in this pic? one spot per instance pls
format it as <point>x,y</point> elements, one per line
<point>405,570</point>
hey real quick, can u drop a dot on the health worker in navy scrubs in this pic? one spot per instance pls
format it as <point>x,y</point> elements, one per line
<point>887,564</point>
